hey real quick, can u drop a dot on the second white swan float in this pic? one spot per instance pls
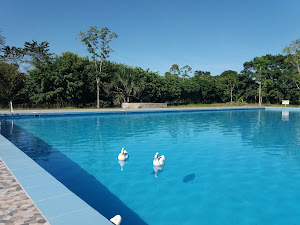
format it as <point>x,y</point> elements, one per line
<point>158,161</point>
<point>123,155</point>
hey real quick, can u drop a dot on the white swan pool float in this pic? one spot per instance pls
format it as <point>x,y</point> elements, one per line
<point>158,161</point>
<point>123,155</point>
<point>116,220</point>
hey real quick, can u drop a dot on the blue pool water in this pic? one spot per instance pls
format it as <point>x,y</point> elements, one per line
<point>222,167</point>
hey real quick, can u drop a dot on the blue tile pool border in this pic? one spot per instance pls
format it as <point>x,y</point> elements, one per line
<point>282,109</point>
<point>119,112</point>
<point>57,203</point>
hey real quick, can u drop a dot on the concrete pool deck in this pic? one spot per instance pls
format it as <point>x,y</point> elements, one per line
<point>4,113</point>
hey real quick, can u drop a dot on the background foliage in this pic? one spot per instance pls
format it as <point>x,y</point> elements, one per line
<point>34,77</point>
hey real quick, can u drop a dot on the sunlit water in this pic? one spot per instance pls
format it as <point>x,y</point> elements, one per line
<point>222,167</point>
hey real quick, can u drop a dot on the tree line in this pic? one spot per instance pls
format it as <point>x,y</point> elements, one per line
<point>32,76</point>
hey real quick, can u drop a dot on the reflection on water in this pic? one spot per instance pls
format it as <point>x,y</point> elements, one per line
<point>122,163</point>
<point>99,133</point>
<point>285,115</point>
<point>157,169</point>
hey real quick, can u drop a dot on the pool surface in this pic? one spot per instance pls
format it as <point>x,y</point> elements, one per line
<point>222,167</point>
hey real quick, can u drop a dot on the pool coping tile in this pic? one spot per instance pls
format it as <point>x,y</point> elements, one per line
<point>61,205</point>
<point>59,113</point>
<point>77,217</point>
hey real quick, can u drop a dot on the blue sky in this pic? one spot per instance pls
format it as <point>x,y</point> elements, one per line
<point>213,35</point>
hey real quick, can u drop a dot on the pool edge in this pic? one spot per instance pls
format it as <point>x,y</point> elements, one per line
<point>47,113</point>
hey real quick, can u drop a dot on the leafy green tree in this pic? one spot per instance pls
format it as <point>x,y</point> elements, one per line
<point>230,78</point>
<point>97,42</point>
<point>37,51</point>
<point>11,82</point>
<point>123,83</point>
<point>246,88</point>
<point>189,91</point>
<point>72,70</point>
<point>293,57</point>
<point>174,70</point>
<point>171,90</point>
<point>293,53</point>
<point>185,71</point>
<point>258,68</point>
<point>23,57</point>
<point>127,84</point>
<point>13,55</point>
<point>62,80</point>
<point>206,88</point>
<point>42,83</point>
<point>202,73</point>
<point>260,64</point>
<point>273,74</point>
<point>151,84</point>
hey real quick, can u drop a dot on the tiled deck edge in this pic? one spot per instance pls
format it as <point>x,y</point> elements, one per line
<point>58,204</point>
<point>282,109</point>
<point>44,113</point>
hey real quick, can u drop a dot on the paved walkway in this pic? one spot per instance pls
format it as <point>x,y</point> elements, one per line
<point>16,207</point>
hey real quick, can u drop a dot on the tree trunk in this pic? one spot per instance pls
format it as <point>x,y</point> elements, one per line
<point>98,92</point>
<point>231,95</point>
<point>259,97</point>
<point>98,88</point>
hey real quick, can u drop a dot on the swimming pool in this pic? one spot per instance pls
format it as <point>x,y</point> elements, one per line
<point>222,167</point>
